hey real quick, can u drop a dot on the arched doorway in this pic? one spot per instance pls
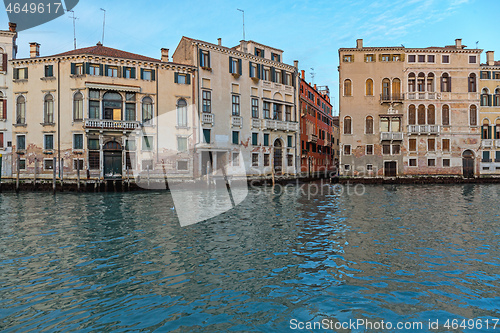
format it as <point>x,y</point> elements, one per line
<point>278,157</point>
<point>112,151</point>
<point>468,164</point>
<point>112,106</point>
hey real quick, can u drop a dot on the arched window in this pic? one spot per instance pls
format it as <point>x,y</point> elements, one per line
<point>396,89</point>
<point>496,98</point>
<point>347,88</point>
<point>369,125</point>
<point>446,115</point>
<point>112,105</point>
<point>421,114</point>
<point>369,87</point>
<point>78,107</point>
<point>473,115</point>
<point>347,125</point>
<point>3,107</point>
<point>485,129</point>
<point>147,110</point>
<point>3,60</point>
<point>421,82</point>
<point>386,89</point>
<point>445,83</point>
<point>485,97</point>
<point>182,113</point>
<point>430,82</point>
<point>412,115</point>
<point>411,82</point>
<point>21,110</point>
<point>497,130</point>
<point>48,109</point>
<point>472,83</point>
<point>431,115</point>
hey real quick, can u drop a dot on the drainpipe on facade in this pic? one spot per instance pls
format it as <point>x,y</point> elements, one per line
<point>59,117</point>
<point>157,112</point>
<point>195,153</point>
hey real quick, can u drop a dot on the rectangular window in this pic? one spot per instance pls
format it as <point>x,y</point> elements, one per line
<point>289,141</point>
<point>94,70</point>
<point>446,162</point>
<point>181,144</point>
<point>130,111</point>
<point>48,164</point>
<point>277,111</point>
<point>369,167</point>
<point>78,164</point>
<point>396,149</point>
<point>412,162</point>
<point>446,144</point>
<point>236,137</point>
<point>147,75</point>
<point>94,144</point>
<point>112,71</point>
<point>49,70</point>
<point>484,75</point>
<point>412,144</point>
<point>21,74</point>
<point>431,162</point>
<point>348,58</point>
<point>253,70</point>
<point>347,149</point>
<point>472,59</point>
<point>266,139</point>
<point>259,52</point>
<point>207,100</point>
<point>267,110</point>
<point>411,58</point>
<point>486,156</point>
<point>421,58</point>
<point>181,78</point>
<point>1,140</point>
<point>127,72</point>
<point>147,143</point>
<point>266,159</point>
<point>369,149</point>
<point>182,165</point>
<point>497,156</point>
<point>130,144</point>
<point>78,69</point>
<point>347,167</point>
<point>255,108</point>
<point>445,59</point>
<point>386,149</point>
<point>289,159</point>
<point>369,58</point>
<point>431,144</point>
<point>430,58</point>
<point>395,57</point>
<point>21,142</point>
<point>22,164</point>
<point>94,109</point>
<point>266,74</point>
<point>205,59</point>
<point>48,141</point>
<point>206,135</point>
<point>236,159</point>
<point>94,160</point>
<point>236,105</point>
<point>255,139</point>
<point>275,57</point>
<point>255,159</point>
<point>288,113</point>
<point>385,57</point>
<point>77,141</point>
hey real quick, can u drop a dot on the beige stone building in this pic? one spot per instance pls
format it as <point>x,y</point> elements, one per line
<point>109,113</point>
<point>247,101</point>
<point>489,115</point>
<point>409,111</point>
<point>8,50</point>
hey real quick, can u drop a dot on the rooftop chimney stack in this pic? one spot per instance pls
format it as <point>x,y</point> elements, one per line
<point>303,75</point>
<point>219,41</point>
<point>490,58</point>
<point>12,27</point>
<point>359,43</point>
<point>34,50</point>
<point>164,55</point>
<point>296,64</point>
<point>458,43</point>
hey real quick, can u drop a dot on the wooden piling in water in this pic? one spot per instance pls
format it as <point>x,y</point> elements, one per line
<point>54,176</point>
<point>18,170</point>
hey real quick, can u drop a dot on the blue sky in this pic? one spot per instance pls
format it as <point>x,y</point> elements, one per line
<point>308,31</point>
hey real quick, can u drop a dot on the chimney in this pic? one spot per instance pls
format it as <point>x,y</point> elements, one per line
<point>359,43</point>
<point>34,50</point>
<point>219,41</point>
<point>458,43</point>
<point>315,86</point>
<point>164,55</point>
<point>490,58</point>
<point>303,76</point>
<point>12,27</point>
<point>296,64</point>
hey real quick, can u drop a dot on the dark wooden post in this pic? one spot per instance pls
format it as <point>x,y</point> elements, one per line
<point>54,161</point>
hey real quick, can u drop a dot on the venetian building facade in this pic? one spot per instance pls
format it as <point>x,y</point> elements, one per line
<point>489,119</point>
<point>8,51</point>
<point>426,123</point>
<point>247,102</point>
<point>100,111</point>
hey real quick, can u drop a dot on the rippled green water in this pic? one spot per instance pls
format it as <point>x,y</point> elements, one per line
<point>121,262</point>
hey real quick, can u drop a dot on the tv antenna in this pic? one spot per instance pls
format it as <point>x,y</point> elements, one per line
<point>477,43</point>
<point>312,75</point>
<point>103,25</point>
<point>74,25</point>
<point>241,10</point>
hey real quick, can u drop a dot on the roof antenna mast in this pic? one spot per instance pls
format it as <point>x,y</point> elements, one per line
<point>74,26</point>
<point>103,25</point>
<point>241,10</point>
<point>312,75</point>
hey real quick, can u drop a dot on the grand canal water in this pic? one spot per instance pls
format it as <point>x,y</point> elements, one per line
<point>121,262</point>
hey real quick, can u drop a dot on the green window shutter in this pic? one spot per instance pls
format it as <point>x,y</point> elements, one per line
<point>481,74</point>
<point>249,69</point>
<point>489,132</point>
<point>106,68</point>
<point>26,73</point>
<point>263,56</point>
<point>259,71</point>
<point>209,59</point>
<point>283,76</point>
<point>236,137</point>
<point>16,73</point>
<point>230,64</point>
<point>101,70</point>
<point>200,57</point>
<point>273,73</point>
<point>153,75</point>
<point>206,135</point>
<point>240,64</point>
<point>87,68</point>
<point>188,78</point>
<point>266,139</point>
<point>489,75</point>
<point>142,73</point>
<point>51,70</point>
<point>176,77</point>
<point>293,79</point>
<point>489,100</point>
<point>132,73</point>
<point>497,156</point>
<point>73,70</point>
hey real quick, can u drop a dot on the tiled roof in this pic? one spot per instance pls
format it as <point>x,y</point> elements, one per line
<point>104,51</point>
